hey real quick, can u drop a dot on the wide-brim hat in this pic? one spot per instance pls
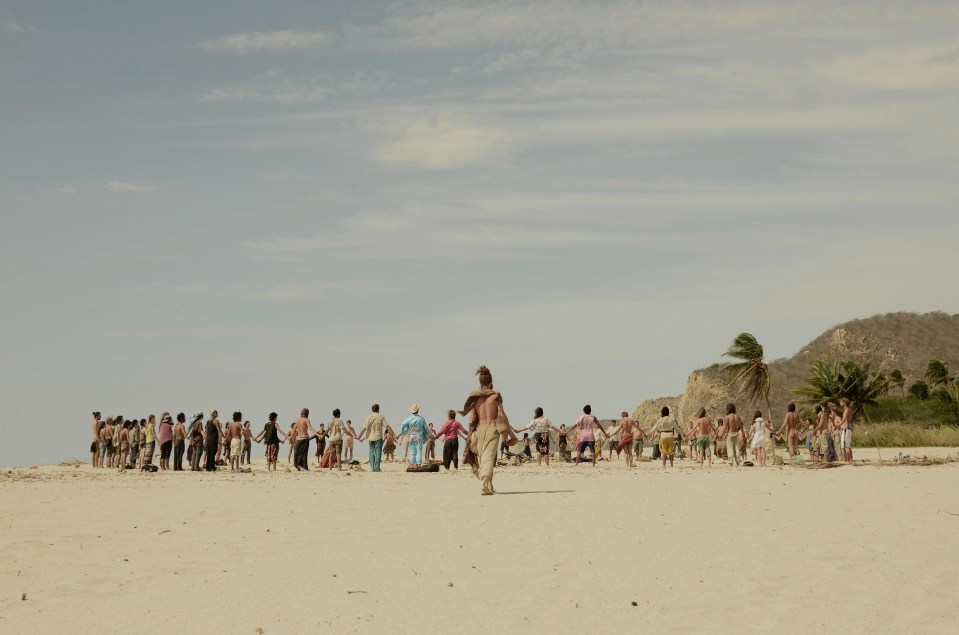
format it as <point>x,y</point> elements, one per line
<point>415,408</point>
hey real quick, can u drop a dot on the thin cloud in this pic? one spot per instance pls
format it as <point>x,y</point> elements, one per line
<point>10,25</point>
<point>133,187</point>
<point>442,142</point>
<point>260,41</point>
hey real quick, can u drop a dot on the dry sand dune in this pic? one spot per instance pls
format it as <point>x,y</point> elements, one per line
<point>560,550</point>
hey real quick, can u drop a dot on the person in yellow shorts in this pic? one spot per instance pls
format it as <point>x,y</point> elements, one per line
<point>666,429</point>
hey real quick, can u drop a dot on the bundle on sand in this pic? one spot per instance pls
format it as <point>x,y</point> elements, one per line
<point>916,462</point>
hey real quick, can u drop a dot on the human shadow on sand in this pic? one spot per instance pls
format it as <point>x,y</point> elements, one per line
<point>545,491</point>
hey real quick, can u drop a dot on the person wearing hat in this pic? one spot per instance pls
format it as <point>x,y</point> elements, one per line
<point>414,427</point>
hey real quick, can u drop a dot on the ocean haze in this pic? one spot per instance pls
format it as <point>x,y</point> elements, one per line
<point>261,207</point>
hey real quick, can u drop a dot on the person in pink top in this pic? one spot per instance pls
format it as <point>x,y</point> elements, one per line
<point>587,439</point>
<point>449,434</point>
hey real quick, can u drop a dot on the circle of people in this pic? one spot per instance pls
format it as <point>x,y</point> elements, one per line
<point>207,444</point>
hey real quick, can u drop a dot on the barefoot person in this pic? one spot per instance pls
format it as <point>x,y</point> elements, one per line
<point>95,442</point>
<point>349,434</point>
<point>450,433</point>
<point>196,441</point>
<point>704,432</point>
<point>758,433</point>
<point>791,427</point>
<point>212,437</point>
<point>541,428</point>
<point>235,430</point>
<point>270,435</point>
<point>732,430</point>
<point>845,429</point>
<point>586,426</point>
<point>179,442</point>
<point>124,446</point>
<point>375,430</point>
<point>304,432</point>
<point>625,429</point>
<point>335,429</point>
<point>666,429</point>
<point>414,428</point>
<point>487,422</point>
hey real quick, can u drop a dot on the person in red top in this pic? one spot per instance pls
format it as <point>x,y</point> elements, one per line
<point>449,434</point>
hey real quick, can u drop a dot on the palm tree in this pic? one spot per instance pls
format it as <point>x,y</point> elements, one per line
<point>938,373</point>
<point>751,374</point>
<point>846,380</point>
<point>897,380</point>
<point>919,390</point>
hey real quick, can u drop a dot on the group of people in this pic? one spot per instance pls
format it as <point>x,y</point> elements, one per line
<point>124,444</point>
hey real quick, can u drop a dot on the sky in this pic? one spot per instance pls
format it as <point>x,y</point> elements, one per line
<point>263,206</point>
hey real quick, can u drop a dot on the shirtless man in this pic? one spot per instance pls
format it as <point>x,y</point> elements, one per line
<point>625,428</point>
<point>704,431</point>
<point>179,442</point>
<point>791,427</point>
<point>732,429</point>
<point>487,421</point>
<point>95,441</point>
<point>845,429</point>
<point>692,437</point>
<point>235,430</point>
<point>304,432</point>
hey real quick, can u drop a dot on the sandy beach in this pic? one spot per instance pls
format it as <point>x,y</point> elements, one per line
<point>560,550</point>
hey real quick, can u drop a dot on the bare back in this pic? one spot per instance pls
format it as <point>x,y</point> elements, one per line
<point>626,426</point>
<point>235,428</point>
<point>487,409</point>
<point>792,420</point>
<point>301,426</point>
<point>733,423</point>
<point>703,426</point>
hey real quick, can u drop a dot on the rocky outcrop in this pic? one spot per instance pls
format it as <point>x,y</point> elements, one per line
<point>906,341</point>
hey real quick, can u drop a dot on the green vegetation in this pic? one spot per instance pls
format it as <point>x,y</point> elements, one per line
<point>919,390</point>
<point>921,413</point>
<point>751,374</point>
<point>848,379</point>
<point>937,373</point>
<point>896,380</point>
<point>897,434</point>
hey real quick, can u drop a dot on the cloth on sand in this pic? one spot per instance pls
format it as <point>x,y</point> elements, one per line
<point>485,442</point>
<point>624,442</point>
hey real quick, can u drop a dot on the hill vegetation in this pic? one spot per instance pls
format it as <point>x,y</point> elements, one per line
<point>899,346</point>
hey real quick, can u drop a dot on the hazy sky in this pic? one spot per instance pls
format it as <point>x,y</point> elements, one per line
<point>270,205</point>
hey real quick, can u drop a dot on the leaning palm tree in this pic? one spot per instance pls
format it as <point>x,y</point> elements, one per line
<point>751,374</point>
<point>938,373</point>
<point>897,380</point>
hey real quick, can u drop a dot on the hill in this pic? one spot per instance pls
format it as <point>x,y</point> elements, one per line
<point>906,341</point>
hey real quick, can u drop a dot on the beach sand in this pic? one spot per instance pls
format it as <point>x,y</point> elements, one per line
<point>559,550</point>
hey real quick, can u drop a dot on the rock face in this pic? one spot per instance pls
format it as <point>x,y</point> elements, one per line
<point>906,341</point>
